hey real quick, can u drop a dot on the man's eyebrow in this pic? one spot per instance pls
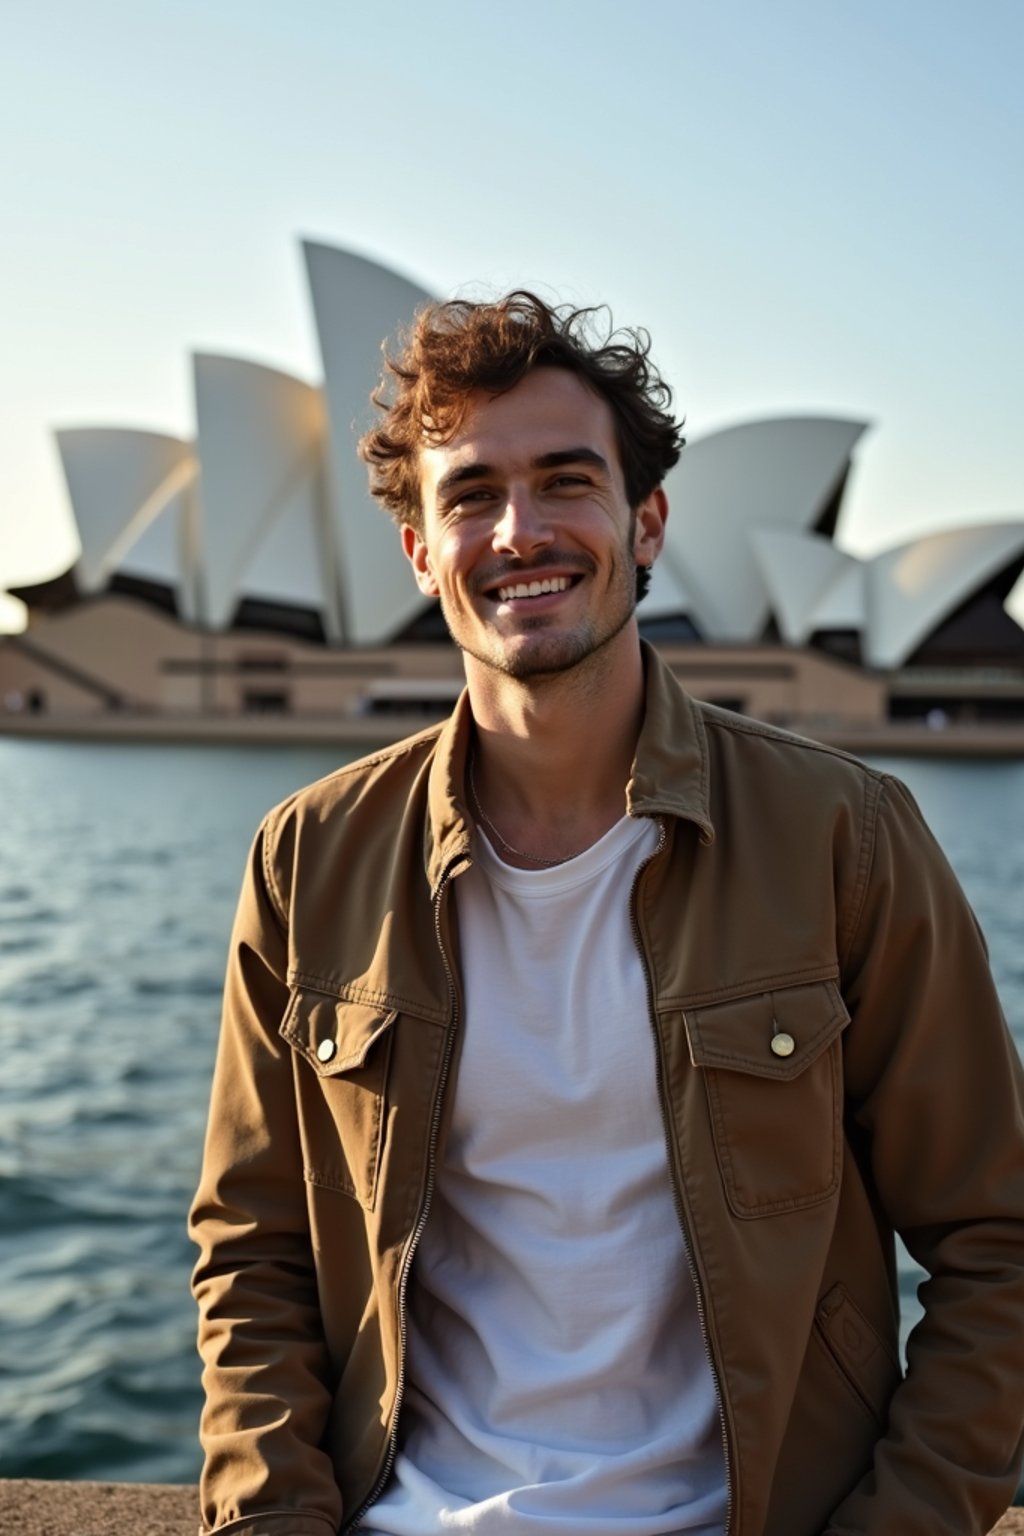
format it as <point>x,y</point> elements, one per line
<point>456,477</point>
<point>571,456</point>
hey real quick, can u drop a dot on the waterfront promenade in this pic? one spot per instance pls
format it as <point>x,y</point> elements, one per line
<point>356,734</point>
<point>141,1509</point>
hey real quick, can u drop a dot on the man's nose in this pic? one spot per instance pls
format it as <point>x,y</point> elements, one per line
<point>522,528</point>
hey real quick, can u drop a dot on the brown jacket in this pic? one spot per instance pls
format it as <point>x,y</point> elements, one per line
<point>795,893</point>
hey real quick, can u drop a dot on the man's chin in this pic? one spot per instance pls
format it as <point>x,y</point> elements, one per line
<point>540,655</point>
<point>528,655</point>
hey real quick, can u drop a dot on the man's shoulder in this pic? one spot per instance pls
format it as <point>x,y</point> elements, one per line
<point>392,769</point>
<point>721,747</point>
<point>740,740</point>
<point>787,791</point>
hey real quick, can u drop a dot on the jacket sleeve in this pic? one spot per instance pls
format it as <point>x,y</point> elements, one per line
<point>934,1093</point>
<point>266,1374</point>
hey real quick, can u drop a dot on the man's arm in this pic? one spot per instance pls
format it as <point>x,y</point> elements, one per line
<point>266,1372</point>
<point>934,1084</point>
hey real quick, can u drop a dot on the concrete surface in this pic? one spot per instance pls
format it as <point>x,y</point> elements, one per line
<point>96,1509</point>
<point>139,1509</point>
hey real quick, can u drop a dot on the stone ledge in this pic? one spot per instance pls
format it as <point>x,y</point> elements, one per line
<point>30,1508</point>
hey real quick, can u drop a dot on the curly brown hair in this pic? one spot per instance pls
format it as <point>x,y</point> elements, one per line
<point>456,348</point>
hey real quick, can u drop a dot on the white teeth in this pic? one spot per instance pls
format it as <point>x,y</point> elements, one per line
<point>533,588</point>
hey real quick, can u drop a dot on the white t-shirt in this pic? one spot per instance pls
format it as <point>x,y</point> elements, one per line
<point>556,1375</point>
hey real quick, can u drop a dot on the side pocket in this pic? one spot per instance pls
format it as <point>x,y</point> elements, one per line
<point>341,1055</point>
<point>772,1068</point>
<point>866,1362</point>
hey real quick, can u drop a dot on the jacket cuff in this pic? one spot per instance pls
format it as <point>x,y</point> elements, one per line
<point>275,1522</point>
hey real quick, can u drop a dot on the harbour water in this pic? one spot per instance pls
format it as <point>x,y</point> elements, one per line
<point>119,869</point>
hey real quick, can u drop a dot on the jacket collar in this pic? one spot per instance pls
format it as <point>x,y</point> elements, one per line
<point>447,830</point>
<point>670,769</point>
<point>669,776</point>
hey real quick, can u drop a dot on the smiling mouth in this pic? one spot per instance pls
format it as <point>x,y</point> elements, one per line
<point>517,591</point>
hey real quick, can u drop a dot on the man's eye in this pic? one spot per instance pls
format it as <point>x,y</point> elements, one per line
<point>469,500</point>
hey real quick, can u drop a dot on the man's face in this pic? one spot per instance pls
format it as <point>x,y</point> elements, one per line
<point>528,538</point>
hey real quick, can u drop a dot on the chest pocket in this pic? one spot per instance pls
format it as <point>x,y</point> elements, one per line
<point>773,1074</point>
<point>341,1054</point>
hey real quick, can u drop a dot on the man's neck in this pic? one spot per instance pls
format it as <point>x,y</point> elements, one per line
<point>552,755</point>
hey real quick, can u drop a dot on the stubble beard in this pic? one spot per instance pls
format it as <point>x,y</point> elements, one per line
<point>565,650</point>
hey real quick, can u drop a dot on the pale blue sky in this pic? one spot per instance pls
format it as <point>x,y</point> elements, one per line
<point>813,206</point>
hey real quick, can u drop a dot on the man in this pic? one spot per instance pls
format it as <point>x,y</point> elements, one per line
<point>582,1056</point>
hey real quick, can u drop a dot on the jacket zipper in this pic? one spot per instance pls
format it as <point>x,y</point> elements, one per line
<point>421,1221</point>
<point>677,1194</point>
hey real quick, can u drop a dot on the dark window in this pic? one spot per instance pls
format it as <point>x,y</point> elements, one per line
<point>427,628</point>
<point>429,708</point>
<point>267,661</point>
<point>843,644</point>
<point>156,593</point>
<point>672,628</point>
<point>939,709</point>
<point>266,701</point>
<point>279,618</point>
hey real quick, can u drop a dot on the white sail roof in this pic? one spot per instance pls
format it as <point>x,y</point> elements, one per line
<point>667,594</point>
<point>168,551</point>
<point>843,603</point>
<point>292,561</point>
<point>260,439</point>
<point>120,480</point>
<point>356,304</point>
<point>916,585</point>
<point>778,473</point>
<point>799,570</point>
<point>283,511</point>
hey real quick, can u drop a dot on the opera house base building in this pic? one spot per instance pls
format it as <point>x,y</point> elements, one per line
<point>115,669</point>
<point>243,586</point>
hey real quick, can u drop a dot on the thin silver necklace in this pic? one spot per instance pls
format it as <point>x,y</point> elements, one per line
<point>489,824</point>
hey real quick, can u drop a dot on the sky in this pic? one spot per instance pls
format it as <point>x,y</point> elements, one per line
<point>814,208</point>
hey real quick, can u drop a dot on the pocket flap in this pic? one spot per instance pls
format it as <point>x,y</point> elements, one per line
<point>333,1034</point>
<point>772,1033</point>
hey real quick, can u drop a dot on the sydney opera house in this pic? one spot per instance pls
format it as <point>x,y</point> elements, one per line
<point>242,583</point>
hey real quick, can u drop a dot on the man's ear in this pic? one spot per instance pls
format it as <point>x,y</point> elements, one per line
<point>649,529</point>
<point>417,556</point>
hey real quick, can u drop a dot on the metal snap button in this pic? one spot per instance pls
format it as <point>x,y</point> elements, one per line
<point>326,1049</point>
<point>783,1044</point>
